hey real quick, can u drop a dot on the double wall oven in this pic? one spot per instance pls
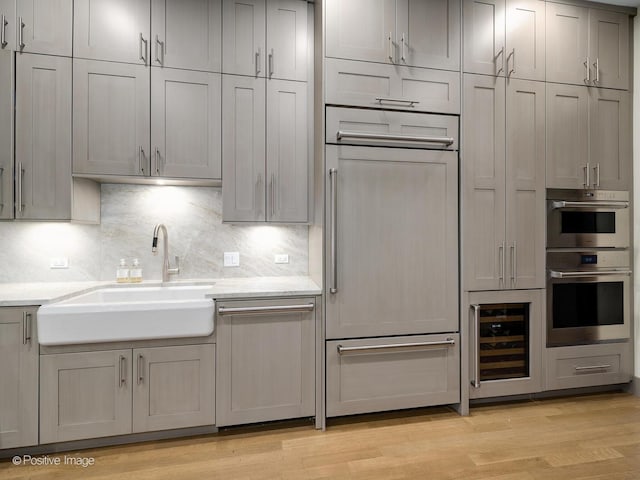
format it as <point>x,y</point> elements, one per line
<point>588,267</point>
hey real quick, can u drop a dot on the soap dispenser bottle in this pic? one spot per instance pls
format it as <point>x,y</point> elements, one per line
<point>135,273</point>
<point>122,272</point>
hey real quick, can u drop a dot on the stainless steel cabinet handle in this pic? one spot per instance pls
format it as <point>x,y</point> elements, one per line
<point>390,48</point>
<point>501,260</point>
<point>596,171</point>
<point>395,346</point>
<point>260,194</point>
<point>333,176</point>
<point>475,382</point>
<point>513,264</point>
<point>390,137</point>
<point>159,43</point>
<point>402,54</point>
<point>3,31</point>
<point>271,63</point>
<point>587,180</point>
<point>143,54</point>
<point>21,26</point>
<point>597,67</point>
<point>123,372</point>
<point>587,66</point>
<point>1,187</point>
<point>590,274</point>
<point>272,194</point>
<point>271,309</point>
<point>592,367</point>
<point>495,61</point>
<point>157,160</point>
<point>512,55</point>
<point>141,156</point>
<point>257,62</point>
<point>26,327</point>
<point>20,185</point>
<point>382,100</point>
<point>140,369</point>
<point>590,205</point>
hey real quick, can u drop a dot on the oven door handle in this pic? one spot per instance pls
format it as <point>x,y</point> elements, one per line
<point>564,204</point>
<point>578,274</point>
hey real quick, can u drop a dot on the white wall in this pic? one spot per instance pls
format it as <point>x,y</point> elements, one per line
<point>636,186</point>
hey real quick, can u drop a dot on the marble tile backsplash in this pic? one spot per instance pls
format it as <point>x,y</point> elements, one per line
<point>193,217</point>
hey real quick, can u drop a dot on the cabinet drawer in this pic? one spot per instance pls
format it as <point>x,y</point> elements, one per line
<point>387,86</point>
<point>588,365</point>
<point>369,375</point>
<point>419,129</point>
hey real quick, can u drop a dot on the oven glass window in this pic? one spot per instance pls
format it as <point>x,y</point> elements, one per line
<point>587,304</point>
<point>588,222</point>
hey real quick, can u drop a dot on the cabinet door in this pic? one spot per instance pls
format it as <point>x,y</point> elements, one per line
<point>243,149</point>
<point>484,39</point>
<point>110,118</point>
<point>428,33</point>
<point>43,137</point>
<point>186,123</point>
<point>525,39</point>
<point>244,37</point>
<point>266,361</point>
<point>287,39</point>
<point>287,152</point>
<point>8,30</point>
<point>361,30</point>
<point>115,30</point>
<point>483,154</point>
<point>567,42</point>
<point>610,139</point>
<point>403,202</point>
<point>609,48</point>
<point>18,378</point>
<point>525,184</point>
<point>567,136</point>
<point>85,395</point>
<point>46,26</point>
<point>174,387</point>
<point>187,34</point>
<point>6,133</point>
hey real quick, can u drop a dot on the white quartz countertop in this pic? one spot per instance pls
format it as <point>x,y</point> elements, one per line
<point>25,294</point>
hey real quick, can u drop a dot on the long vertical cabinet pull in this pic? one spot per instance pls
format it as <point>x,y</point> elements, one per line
<point>495,61</point>
<point>21,26</point>
<point>159,58</point>
<point>123,372</point>
<point>501,264</point>
<point>402,54</point>
<point>1,188</point>
<point>597,67</point>
<point>140,369</point>
<point>271,63</point>
<point>157,160</point>
<point>19,192</point>
<point>588,70</point>
<point>596,172</point>
<point>514,268</point>
<point>143,56</point>
<point>140,157</point>
<point>333,175</point>
<point>258,62</point>
<point>272,195</point>
<point>512,55</point>
<point>475,381</point>
<point>587,177</point>
<point>3,31</point>
<point>390,48</point>
<point>26,327</point>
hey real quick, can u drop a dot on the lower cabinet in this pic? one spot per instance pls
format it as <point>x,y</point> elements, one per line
<point>18,377</point>
<point>116,392</point>
<point>588,365</point>
<point>376,374</point>
<point>265,360</point>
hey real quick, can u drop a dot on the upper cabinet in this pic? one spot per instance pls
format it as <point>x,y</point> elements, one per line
<point>114,30</point>
<point>587,46</point>
<point>6,133</point>
<point>186,34</point>
<point>419,33</point>
<point>265,39</point>
<point>8,22</point>
<point>505,38</point>
<point>44,27</point>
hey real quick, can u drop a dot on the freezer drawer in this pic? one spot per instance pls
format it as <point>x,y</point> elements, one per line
<point>376,374</point>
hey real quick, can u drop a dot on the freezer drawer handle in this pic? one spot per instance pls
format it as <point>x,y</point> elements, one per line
<point>578,274</point>
<point>564,204</point>
<point>333,176</point>
<point>390,137</point>
<point>307,307</point>
<point>410,103</point>
<point>592,367</point>
<point>396,346</point>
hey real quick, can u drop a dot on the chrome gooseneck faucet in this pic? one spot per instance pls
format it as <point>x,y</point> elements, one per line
<point>166,268</point>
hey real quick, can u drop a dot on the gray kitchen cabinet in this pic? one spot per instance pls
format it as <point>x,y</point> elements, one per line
<point>506,342</point>
<point>377,193</point>
<point>265,38</point>
<point>265,360</point>
<point>174,387</point>
<point>18,377</point>
<point>8,25</point>
<point>186,34</point>
<point>7,80</point>
<point>45,27</point>
<point>365,84</point>
<point>43,137</point>
<point>587,46</point>
<point>589,141</point>
<point>243,148</point>
<point>376,374</point>
<point>114,30</point>
<point>588,365</point>
<point>505,38</point>
<point>504,182</point>
<point>185,123</point>
<point>85,395</point>
<point>419,33</point>
<point>110,118</point>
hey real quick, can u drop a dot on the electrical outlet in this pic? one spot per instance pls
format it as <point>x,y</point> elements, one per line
<point>231,259</point>
<point>59,262</point>
<point>281,258</point>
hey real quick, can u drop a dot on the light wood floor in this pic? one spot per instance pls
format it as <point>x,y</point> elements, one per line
<point>588,437</point>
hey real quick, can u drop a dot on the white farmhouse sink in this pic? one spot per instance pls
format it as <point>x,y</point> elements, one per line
<point>127,313</point>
